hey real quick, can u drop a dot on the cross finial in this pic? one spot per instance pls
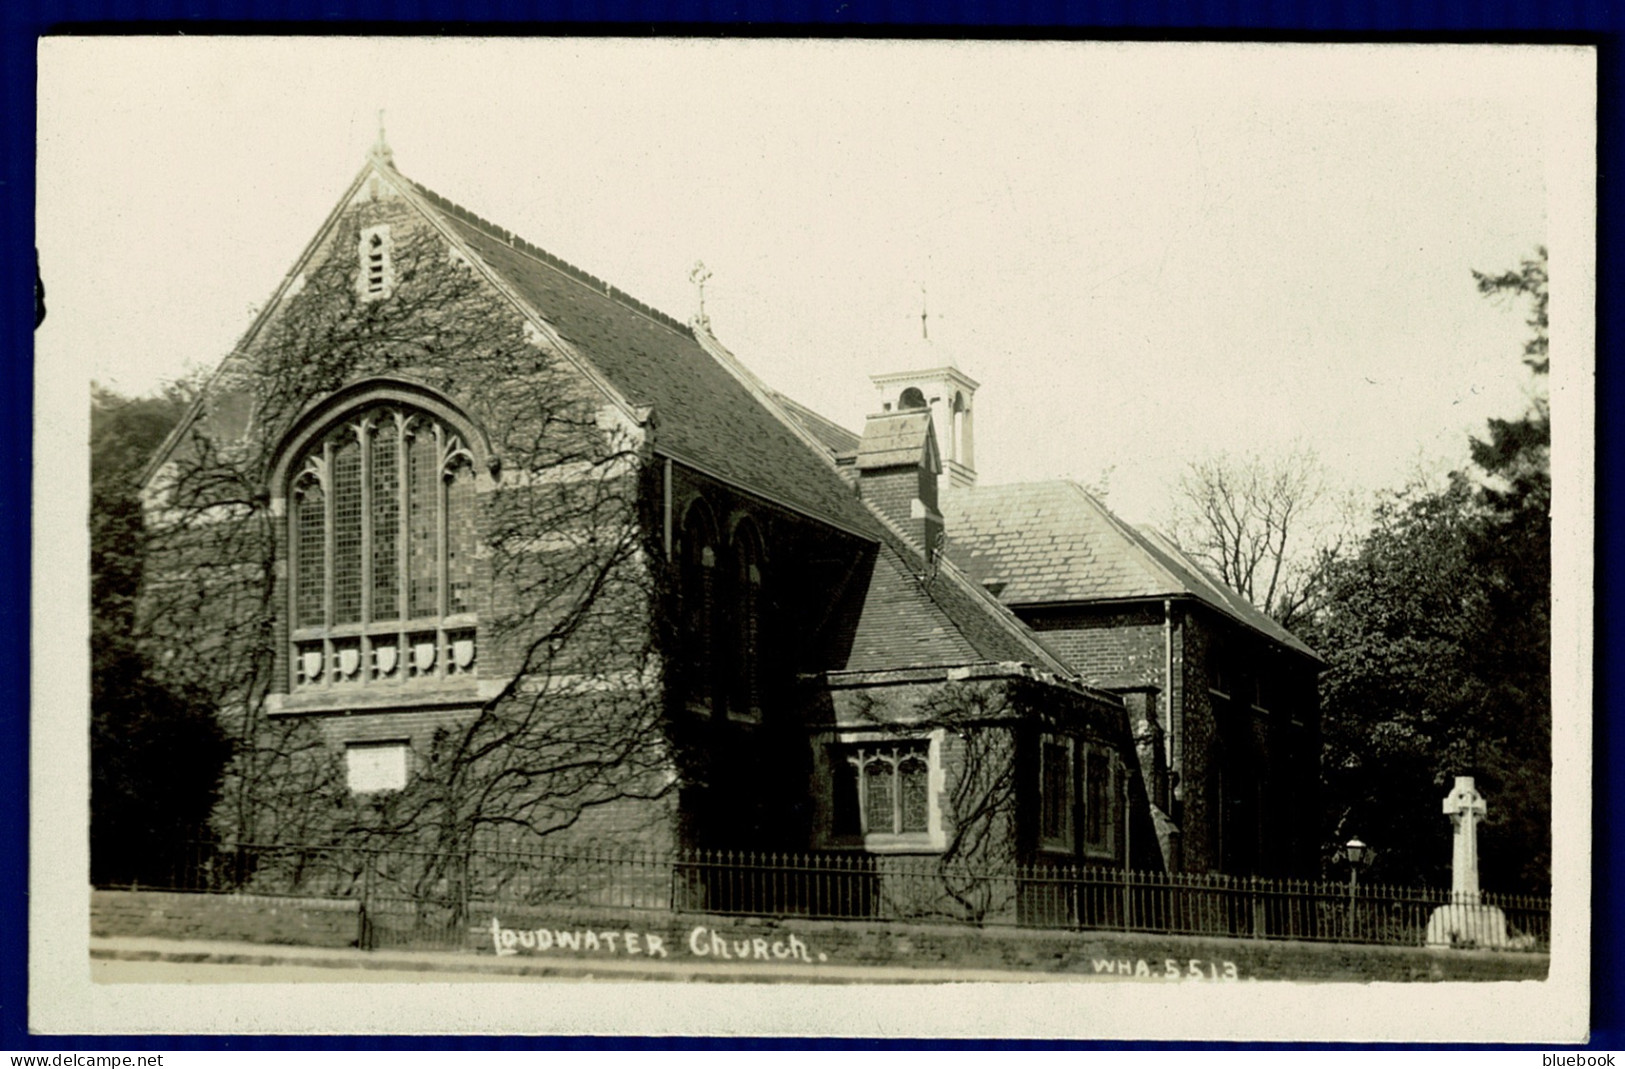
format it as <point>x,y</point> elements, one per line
<point>1464,801</point>
<point>381,150</point>
<point>925,314</point>
<point>700,275</point>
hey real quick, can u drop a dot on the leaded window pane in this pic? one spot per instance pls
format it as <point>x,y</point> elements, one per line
<point>699,605</point>
<point>747,594</point>
<point>347,530</point>
<point>460,540</point>
<point>1099,801</point>
<point>310,552</point>
<point>386,521</point>
<point>380,531</point>
<point>422,523</point>
<point>1056,790</point>
<point>914,776</point>
<point>879,801</point>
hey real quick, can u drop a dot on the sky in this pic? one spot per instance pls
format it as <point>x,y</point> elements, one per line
<point>1145,253</point>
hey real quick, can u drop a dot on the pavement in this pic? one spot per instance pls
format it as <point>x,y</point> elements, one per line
<point>458,966</point>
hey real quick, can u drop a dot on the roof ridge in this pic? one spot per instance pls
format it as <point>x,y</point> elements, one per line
<point>564,267</point>
<point>800,413</point>
<point>1164,552</point>
<point>765,394</point>
<point>1124,529</point>
<point>1167,545</point>
<point>1133,533</point>
<point>791,402</point>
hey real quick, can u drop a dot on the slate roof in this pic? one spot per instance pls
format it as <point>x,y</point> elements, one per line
<point>1053,542</point>
<point>718,419</point>
<point>898,621</point>
<point>705,416</point>
<point>837,439</point>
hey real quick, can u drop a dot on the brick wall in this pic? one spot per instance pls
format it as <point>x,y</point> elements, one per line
<point>1257,763</point>
<point>893,491</point>
<point>810,944</point>
<point>1109,647</point>
<point>1198,807</point>
<point>235,918</point>
<point>1273,754</point>
<point>986,740</point>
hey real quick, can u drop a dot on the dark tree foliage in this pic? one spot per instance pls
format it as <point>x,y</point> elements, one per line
<point>156,751</point>
<point>1437,633</point>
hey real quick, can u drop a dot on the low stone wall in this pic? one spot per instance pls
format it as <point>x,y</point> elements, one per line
<point>633,935</point>
<point>233,918</point>
<point>1129,956</point>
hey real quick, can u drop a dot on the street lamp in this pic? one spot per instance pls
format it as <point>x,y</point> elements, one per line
<point>1357,854</point>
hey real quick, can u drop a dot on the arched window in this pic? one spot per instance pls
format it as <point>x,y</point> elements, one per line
<point>381,524</point>
<point>745,701</point>
<point>698,608</point>
<point>911,398</point>
<point>956,430</point>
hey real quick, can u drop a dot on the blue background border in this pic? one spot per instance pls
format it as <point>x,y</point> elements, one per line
<point>1594,22</point>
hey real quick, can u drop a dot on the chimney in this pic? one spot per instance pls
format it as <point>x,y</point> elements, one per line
<point>898,467</point>
<point>950,396</point>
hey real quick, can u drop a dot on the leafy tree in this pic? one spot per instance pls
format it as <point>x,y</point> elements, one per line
<point>1510,549</point>
<point>156,751</point>
<point>1437,634</point>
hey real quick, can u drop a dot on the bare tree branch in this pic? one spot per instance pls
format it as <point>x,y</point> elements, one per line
<point>1267,529</point>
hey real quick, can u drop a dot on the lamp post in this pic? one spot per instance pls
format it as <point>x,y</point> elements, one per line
<point>1357,854</point>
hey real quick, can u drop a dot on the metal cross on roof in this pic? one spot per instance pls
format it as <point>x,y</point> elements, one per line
<point>381,149</point>
<point>700,275</point>
<point>925,315</point>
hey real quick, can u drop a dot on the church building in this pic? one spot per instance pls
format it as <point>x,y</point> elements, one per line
<point>471,547</point>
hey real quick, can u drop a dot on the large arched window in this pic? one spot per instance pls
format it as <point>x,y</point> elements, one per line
<point>381,525</point>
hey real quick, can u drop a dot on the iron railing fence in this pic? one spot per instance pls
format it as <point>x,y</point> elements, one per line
<point>416,897</point>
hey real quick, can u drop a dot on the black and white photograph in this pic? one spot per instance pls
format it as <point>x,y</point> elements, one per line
<point>814,537</point>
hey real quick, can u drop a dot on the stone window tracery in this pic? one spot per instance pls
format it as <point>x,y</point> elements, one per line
<point>384,479</point>
<point>882,789</point>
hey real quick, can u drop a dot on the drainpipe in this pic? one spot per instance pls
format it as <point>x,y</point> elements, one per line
<point>666,509</point>
<point>1128,819</point>
<point>1174,726</point>
<point>1128,851</point>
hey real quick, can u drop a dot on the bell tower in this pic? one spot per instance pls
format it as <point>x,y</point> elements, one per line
<point>950,395</point>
